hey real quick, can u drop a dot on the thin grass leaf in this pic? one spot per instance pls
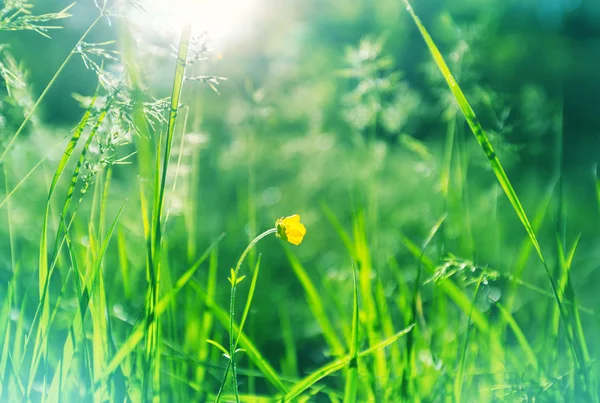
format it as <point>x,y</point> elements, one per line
<point>64,159</point>
<point>448,287</point>
<point>569,292</point>
<point>315,304</point>
<point>123,262</point>
<point>152,359</point>
<point>207,316</point>
<point>76,327</point>
<point>98,305</point>
<point>6,330</point>
<point>351,388</point>
<point>249,299</point>
<point>526,246</point>
<point>333,220</point>
<point>289,363</point>
<point>520,336</point>
<point>365,279</point>
<point>565,268</point>
<point>458,382</point>
<point>45,272</point>
<point>47,88</point>
<point>415,312</point>
<point>328,369</point>
<point>139,331</point>
<point>251,351</point>
<point>32,170</point>
<point>219,346</point>
<point>597,175</point>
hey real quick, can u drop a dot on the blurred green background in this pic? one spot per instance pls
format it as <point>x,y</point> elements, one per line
<point>336,106</point>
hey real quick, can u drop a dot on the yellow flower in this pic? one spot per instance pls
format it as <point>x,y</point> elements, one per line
<point>290,229</point>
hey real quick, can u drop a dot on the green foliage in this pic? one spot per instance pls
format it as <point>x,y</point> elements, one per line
<point>415,280</point>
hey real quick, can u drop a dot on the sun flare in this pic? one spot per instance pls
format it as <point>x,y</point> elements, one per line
<point>224,21</point>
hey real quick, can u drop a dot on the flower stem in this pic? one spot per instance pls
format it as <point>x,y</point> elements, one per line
<point>232,339</point>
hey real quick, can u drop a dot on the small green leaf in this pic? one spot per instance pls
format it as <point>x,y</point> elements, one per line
<point>231,278</point>
<point>219,346</point>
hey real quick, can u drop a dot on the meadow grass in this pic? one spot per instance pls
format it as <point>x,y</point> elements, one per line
<point>118,304</point>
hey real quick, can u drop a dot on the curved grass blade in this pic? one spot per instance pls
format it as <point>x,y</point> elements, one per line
<point>68,350</point>
<point>251,351</point>
<point>520,336</point>
<point>139,331</point>
<point>315,304</point>
<point>307,382</point>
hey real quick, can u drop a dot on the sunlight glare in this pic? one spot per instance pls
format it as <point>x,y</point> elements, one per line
<point>223,20</point>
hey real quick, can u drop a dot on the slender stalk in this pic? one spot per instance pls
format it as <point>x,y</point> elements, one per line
<point>458,383</point>
<point>232,339</point>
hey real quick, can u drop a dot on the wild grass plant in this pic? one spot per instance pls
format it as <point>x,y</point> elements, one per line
<point>423,269</point>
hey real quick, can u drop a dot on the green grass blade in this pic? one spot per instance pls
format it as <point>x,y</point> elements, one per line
<point>526,245</point>
<point>152,360</point>
<point>248,300</point>
<point>9,194</point>
<point>251,351</point>
<point>333,220</point>
<point>365,283</point>
<point>289,362</point>
<point>76,327</point>
<point>139,331</point>
<point>328,369</point>
<point>448,287</point>
<point>598,187</point>
<point>48,86</point>
<point>458,382</point>
<point>520,336</point>
<point>573,310</point>
<point>178,79</point>
<point>45,272</point>
<point>407,376</point>
<point>315,304</point>
<point>123,262</point>
<point>207,316</point>
<point>350,391</point>
<point>6,330</point>
<point>64,159</point>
